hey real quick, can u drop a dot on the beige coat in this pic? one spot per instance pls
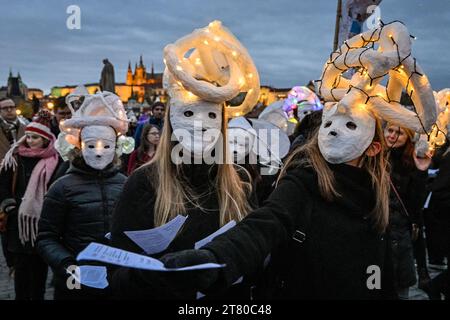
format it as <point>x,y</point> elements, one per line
<point>4,143</point>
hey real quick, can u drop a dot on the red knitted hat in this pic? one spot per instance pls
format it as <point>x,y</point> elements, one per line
<point>41,125</point>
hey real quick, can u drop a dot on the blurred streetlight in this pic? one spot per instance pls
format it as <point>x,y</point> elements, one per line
<point>50,105</point>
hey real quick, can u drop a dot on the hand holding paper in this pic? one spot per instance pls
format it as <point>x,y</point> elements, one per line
<point>103,253</point>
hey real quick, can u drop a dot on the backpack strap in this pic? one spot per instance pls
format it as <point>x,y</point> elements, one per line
<point>278,278</point>
<point>303,225</point>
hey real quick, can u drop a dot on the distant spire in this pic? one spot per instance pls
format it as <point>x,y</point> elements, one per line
<point>18,75</point>
<point>129,66</point>
<point>141,64</point>
<point>153,70</point>
<point>10,72</point>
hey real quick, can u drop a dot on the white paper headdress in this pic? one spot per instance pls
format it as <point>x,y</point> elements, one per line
<point>210,65</point>
<point>363,96</point>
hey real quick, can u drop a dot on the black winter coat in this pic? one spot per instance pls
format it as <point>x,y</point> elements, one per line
<point>440,198</point>
<point>24,170</point>
<point>341,241</point>
<point>410,184</point>
<point>77,210</point>
<point>135,211</point>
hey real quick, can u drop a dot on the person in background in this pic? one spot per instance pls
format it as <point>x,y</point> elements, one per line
<point>62,112</point>
<point>439,207</point>
<point>157,118</point>
<point>408,181</point>
<point>305,129</point>
<point>146,151</point>
<point>11,130</point>
<point>25,176</point>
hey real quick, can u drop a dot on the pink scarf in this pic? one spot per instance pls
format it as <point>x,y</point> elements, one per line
<point>32,201</point>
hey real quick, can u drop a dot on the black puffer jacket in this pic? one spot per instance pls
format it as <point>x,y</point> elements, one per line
<point>77,211</point>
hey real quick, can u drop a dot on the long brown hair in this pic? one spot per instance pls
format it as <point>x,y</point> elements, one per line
<point>145,144</point>
<point>408,150</point>
<point>309,155</point>
<point>172,195</point>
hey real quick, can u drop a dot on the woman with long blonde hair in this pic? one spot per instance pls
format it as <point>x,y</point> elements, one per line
<point>191,174</point>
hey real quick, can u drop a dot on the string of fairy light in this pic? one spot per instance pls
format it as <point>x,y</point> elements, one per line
<point>369,44</point>
<point>209,39</point>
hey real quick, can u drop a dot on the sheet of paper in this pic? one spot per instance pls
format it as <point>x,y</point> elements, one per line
<point>427,202</point>
<point>433,172</point>
<point>209,238</point>
<point>103,253</point>
<point>91,276</point>
<point>157,239</point>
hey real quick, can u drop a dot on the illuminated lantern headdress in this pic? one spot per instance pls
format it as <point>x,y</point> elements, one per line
<point>358,101</point>
<point>204,70</point>
<point>441,130</point>
<point>100,109</point>
<point>210,65</point>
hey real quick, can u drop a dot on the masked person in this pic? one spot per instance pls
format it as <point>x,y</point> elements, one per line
<point>259,145</point>
<point>78,207</point>
<point>190,173</point>
<point>25,175</point>
<point>326,221</point>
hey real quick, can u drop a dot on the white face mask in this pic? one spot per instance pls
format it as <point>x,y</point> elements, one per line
<point>240,142</point>
<point>197,126</point>
<point>98,146</point>
<point>343,136</point>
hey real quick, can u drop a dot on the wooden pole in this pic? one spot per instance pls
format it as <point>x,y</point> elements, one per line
<point>336,30</point>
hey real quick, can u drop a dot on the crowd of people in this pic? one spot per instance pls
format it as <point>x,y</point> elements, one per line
<point>352,193</point>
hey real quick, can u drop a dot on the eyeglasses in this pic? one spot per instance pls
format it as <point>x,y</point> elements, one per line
<point>8,108</point>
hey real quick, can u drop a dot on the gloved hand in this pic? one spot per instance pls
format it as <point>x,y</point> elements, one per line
<point>128,283</point>
<point>195,280</point>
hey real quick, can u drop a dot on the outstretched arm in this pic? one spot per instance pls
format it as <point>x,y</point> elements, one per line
<point>244,248</point>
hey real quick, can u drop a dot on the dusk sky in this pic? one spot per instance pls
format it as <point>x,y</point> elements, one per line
<point>288,40</point>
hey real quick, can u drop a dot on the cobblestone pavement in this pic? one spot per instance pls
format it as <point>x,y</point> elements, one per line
<point>7,284</point>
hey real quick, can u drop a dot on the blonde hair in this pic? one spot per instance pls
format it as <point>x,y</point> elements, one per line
<point>172,194</point>
<point>309,155</point>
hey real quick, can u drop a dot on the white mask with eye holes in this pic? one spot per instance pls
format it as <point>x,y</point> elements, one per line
<point>98,146</point>
<point>345,136</point>
<point>197,126</point>
<point>240,142</point>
